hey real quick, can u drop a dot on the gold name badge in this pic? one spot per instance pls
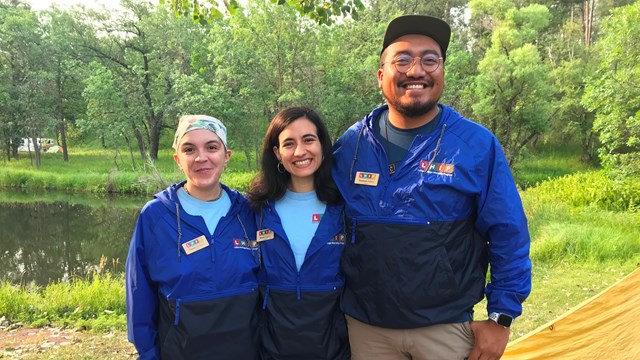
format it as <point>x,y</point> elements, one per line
<point>365,178</point>
<point>264,234</point>
<point>196,244</point>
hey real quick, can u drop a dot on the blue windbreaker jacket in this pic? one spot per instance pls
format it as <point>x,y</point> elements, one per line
<point>302,317</point>
<point>202,305</point>
<point>420,240</point>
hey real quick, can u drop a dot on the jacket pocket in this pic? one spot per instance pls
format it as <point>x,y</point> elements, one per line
<point>218,328</point>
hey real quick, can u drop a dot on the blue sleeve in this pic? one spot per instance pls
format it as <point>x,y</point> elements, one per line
<point>501,220</point>
<point>141,297</point>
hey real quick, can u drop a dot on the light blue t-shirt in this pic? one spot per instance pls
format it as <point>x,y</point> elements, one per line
<point>210,211</point>
<point>300,214</point>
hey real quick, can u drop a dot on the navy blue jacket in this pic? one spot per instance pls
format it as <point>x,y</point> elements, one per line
<point>420,239</point>
<point>302,317</point>
<point>202,305</point>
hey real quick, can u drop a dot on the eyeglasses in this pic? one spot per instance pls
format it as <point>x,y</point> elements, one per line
<point>404,63</point>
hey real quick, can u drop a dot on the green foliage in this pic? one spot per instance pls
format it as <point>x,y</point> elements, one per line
<point>518,68</point>
<point>591,189</point>
<point>513,87</point>
<point>238,180</point>
<point>614,92</point>
<point>548,162</point>
<point>584,218</point>
<point>572,119</point>
<point>97,302</point>
<point>14,302</point>
<point>323,12</point>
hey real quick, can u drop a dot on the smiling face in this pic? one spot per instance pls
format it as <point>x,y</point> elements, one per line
<point>202,157</point>
<point>300,152</point>
<point>416,93</point>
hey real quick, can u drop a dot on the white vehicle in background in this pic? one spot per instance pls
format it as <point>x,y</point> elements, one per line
<point>44,143</point>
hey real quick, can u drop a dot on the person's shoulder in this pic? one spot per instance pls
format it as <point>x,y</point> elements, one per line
<point>466,129</point>
<point>355,129</point>
<point>238,200</point>
<point>159,201</point>
<point>352,132</point>
<point>235,196</point>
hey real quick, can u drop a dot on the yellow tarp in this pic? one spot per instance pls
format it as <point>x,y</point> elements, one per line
<point>606,326</point>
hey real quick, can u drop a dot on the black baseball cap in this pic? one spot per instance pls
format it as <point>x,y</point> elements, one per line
<point>430,26</point>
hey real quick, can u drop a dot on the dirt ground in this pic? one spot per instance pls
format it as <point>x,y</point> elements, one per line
<point>53,343</point>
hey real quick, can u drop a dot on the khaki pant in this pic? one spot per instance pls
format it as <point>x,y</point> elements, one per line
<point>436,342</point>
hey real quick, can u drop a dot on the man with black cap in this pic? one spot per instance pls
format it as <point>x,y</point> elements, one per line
<point>430,205</point>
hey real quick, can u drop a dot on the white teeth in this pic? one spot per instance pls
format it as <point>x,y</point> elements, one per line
<point>415,86</point>
<point>302,163</point>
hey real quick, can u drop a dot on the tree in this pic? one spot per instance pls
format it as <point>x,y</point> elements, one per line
<point>513,87</point>
<point>266,59</point>
<point>107,110</point>
<point>27,96</point>
<point>322,11</point>
<point>144,48</point>
<point>68,70</point>
<point>613,93</point>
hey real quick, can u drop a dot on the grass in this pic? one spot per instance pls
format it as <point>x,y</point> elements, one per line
<point>94,171</point>
<point>560,287</point>
<point>96,302</point>
<point>548,162</point>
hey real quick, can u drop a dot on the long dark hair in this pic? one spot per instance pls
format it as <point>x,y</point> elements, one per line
<point>270,184</point>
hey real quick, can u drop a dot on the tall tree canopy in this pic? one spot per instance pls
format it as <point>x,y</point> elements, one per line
<point>613,93</point>
<point>520,67</point>
<point>322,11</point>
<point>513,86</point>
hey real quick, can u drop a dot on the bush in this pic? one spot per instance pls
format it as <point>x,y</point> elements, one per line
<point>591,189</point>
<point>97,302</point>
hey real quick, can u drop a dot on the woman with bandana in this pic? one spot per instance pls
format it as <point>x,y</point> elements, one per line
<point>191,272</point>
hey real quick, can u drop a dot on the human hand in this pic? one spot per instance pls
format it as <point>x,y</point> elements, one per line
<point>490,340</point>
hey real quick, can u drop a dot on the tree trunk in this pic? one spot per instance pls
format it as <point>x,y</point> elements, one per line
<point>142,148</point>
<point>133,159</point>
<point>154,136</point>
<point>115,156</point>
<point>589,7</point>
<point>36,150</point>
<point>63,141</point>
<point>60,106</point>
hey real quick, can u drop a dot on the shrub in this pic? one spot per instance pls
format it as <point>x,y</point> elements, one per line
<point>592,189</point>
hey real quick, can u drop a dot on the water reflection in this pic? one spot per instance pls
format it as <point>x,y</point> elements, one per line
<point>47,237</point>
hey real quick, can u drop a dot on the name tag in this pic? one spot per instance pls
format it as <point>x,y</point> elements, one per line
<point>196,244</point>
<point>264,234</point>
<point>365,178</point>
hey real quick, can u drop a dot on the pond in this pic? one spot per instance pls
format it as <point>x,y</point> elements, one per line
<point>51,236</point>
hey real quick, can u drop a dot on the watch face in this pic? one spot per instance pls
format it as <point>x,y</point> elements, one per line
<point>504,320</point>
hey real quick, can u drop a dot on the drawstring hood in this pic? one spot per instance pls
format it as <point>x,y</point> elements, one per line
<point>179,231</point>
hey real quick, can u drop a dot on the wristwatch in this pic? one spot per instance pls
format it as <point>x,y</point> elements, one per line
<point>503,320</point>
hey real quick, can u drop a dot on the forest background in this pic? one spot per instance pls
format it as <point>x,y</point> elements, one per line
<point>530,71</point>
<point>109,85</point>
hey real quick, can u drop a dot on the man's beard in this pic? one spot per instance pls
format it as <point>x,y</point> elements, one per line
<point>413,109</point>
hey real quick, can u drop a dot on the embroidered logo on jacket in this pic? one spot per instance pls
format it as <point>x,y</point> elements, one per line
<point>436,168</point>
<point>315,218</point>
<point>244,244</point>
<point>337,240</point>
